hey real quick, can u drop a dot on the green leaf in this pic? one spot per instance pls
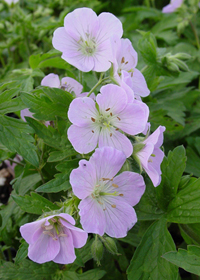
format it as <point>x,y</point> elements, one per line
<point>8,94</point>
<point>60,155</point>
<point>22,252</point>
<point>34,204</point>
<point>47,103</point>
<point>172,169</point>
<point>193,162</point>
<point>190,233</point>
<point>147,46</point>
<point>188,260</point>
<point>60,183</point>
<point>147,263</point>
<point>27,270</point>
<point>184,208</point>
<point>147,209</point>
<point>12,105</point>
<point>94,274</point>
<point>14,134</point>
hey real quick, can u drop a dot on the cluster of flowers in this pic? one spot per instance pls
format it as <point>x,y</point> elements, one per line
<point>107,121</point>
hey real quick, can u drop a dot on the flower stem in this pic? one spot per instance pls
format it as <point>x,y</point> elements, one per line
<point>13,161</point>
<point>195,34</point>
<point>80,77</point>
<point>97,84</point>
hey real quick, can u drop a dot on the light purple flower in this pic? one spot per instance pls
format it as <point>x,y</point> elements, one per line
<point>174,4</point>
<point>66,83</point>
<point>53,239</point>
<point>151,155</point>
<point>9,2</point>
<point>106,205</point>
<point>124,67</point>
<point>103,126</point>
<point>85,39</point>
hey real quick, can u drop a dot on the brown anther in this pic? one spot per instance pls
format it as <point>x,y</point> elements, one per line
<point>110,134</point>
<point>111,114</point>
<point>92,131</point>
<point>104,209</point>
<point>123,59</point>
<point>115,185</point>
<point>93,119</point>
<point>126,62</point>
<point>150,160</point>
<point>92,196</point>
<point>132,74</point>
<point>119,118</point>
<point>117,129</point>
<point>108,109</point>
<point>106,179</point>
<point>121,194</point>
<point>113,206</point>
<point>100,202</point>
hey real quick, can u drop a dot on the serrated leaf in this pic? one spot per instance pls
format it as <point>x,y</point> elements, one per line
<point>14,134</point>
<point>94,274</point>
<point>184,208</point>
<point>190,233</point>
<point>22,252</point>
<point>60,155</point>
<point>27,270</point>
<point>188,260</point>
<point>147,46</point>
<point>60,183</point>
<point>47,103</point>
<point>172,168</point>
<point>8,94</point>
<point>193,162</point>
<point>34,204</point>
<point>12,105</point>
<point>147,263</point>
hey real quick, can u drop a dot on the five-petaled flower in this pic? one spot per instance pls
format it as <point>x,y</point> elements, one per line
<point>172,6</point>
<point>103,126</point>
<point>53,239</point>
<point>85,39</point>
<point>107,201</point>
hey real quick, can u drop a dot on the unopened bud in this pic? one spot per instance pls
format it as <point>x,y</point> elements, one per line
<point>182,65</point>
<point>183,56</point>
<point>97,250</point>
<point>173,67</point>
<point>110,245</point>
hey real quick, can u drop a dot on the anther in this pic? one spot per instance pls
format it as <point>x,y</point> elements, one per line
<point>132,74</point>
<point>121,194</point>
<point>111,114</point>
<point>117,129</point>
<point>104,209</point>
<point>108,109</point>
<point>119,118</point>
<point>150,160</point>
<point>93,119</point>
<point>99,202</point>
<point>110,134</point>
<point>92,195</point>
<point>113,206</point>
<point>126,62</point>
<point>123,59</point>
<point>115,185</point>
<point>92,131</point>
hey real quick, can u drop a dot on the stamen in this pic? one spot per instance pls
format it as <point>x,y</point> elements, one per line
<point>92,196</point>
<point>99,202</point>
<point>117,129</point>
<point>104,209</point>
<point>150,160</point>
<point>111,114</point>
<point>132,74</point>
<point>123,59</point>
<point>110,134</point>
<point>126,62</point>
<point>48,227</point>
<point>113,206</point>
<point>121,194</point>
<point>108,109</point>
<point>119,118</point>
<point>115,185</point>
<point>93,119</point>
<point>92,131</point>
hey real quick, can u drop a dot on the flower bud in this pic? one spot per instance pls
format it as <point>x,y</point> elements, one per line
<point>97,250</point>
<point>182,56</point>
<point>182,65</point>
<point>110,245</point>
<point>173,67</point>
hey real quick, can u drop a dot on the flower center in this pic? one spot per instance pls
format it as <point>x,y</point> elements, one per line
<point>87,46</point>
<point>54,229</point>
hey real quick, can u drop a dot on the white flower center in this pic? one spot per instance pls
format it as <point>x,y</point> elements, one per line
<point>55,229</point>
<point>87,45</point>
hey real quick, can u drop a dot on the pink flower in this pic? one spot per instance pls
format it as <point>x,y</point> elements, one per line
<point>92,126</point>
<point>66,83</point>
<point>106,205</point>
<point>174,4</point>
<point>53,239</point>
<point>151,156</point>
<point>124,67</point>
<point>85,39</point>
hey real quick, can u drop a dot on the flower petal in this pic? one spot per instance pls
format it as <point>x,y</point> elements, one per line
<point>131,185</point>
<point>28,230</point>
<point>83,139</point>
<point>92,216</point>
<point>66,254</point>
<point>107,162</point>
<point>83,179</point>
<point>51,80</point>
<point>156,138</point>
<point>44,249</point>
<point>139,85</point>
<point>82,111</point>
<point>71,85</point>
<point>112,138</point>
<point>120,217</point>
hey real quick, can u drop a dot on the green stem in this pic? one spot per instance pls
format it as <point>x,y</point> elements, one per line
<point>97,84</point>
<point>2,61</point>
<point>195,34</point>
<point>13,161</point>
<point>144,68</point>
<point>80,77</point>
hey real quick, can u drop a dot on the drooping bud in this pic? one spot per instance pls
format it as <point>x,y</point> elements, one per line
<point>110,245</point>
<point>97,250</point>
